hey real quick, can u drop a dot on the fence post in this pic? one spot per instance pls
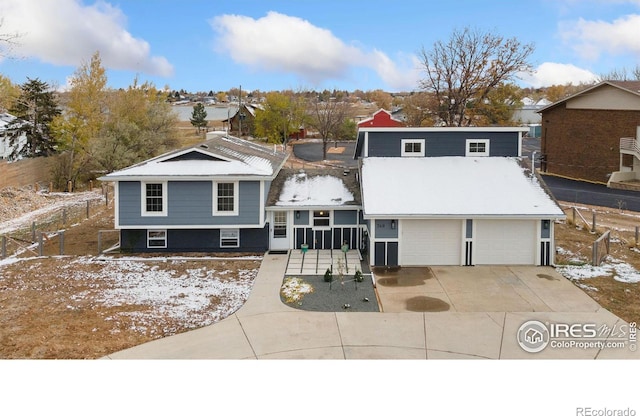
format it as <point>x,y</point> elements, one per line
<point>90,185</point>
<point>99,242</point>
<point>69,186</point>
<point>61,237</point>
<point>106,196</point>
<point>88,207</point>
<point>40,244</point>
<point>573,211</point>
<point>4,247</point>
<point>593,227</point>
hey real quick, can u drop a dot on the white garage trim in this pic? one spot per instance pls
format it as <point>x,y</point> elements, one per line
<point>505,241</point>
<point>430,242</point>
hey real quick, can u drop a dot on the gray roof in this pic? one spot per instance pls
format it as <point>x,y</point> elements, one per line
<point>220,155</point>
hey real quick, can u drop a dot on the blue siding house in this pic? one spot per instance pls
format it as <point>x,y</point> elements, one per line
<point>210,197</point>
<point>452,196</point>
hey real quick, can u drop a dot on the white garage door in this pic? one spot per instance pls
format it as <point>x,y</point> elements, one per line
<point>430,242</point>
<point>505,242</point>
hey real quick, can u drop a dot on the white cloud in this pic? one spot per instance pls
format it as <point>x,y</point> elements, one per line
<point>553,73</point>
<point>590,38</point>
<point>277,42</point>
<point>66,32</point>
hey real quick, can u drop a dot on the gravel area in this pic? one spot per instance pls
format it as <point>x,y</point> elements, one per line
<point>312,293</point>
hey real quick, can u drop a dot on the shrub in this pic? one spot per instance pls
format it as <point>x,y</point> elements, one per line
<point>328,276</point>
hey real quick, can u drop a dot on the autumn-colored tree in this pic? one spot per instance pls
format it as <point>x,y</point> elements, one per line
<point>381,98</point>
<point>498,107</point>
<point>82,120</point>
<point>467,67</point>
<point>140,124</point>
<point>282,114</point>
<point>9,92</point>
<point>418,109</point>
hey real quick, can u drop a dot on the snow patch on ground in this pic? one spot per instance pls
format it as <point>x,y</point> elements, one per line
<point>619,270</point>
<point>183,297</point>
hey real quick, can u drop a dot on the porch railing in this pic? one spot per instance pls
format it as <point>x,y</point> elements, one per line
<point>630,144</point>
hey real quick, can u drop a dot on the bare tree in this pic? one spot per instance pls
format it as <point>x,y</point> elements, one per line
<point>328,117</point>
<point>8,41</point>
<point>621,74</point>
<point>467,67</point>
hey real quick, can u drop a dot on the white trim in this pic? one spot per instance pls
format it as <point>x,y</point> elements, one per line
<point>312,219</point>
<point>143,200</point>
<point>116,206</point>
<point>190,227</point>
<point>449,129</point>
<point>262,218</point>
<point>404,153</point>
<point>235,231</point>
<point>469,142</point>
<point>365,151</point>
<point>215,199</point>
<point>157,238</point>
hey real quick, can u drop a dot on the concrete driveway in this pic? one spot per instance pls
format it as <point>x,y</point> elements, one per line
<point>487,309</point>
<point>479,289</point>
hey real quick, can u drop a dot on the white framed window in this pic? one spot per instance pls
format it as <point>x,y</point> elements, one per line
<point>477,147</point>
<point>412,147</point>
<point>156,238</point>
<point>154,199</point>
<point>229,238</point>
<point>225,198</point>
<point>321,218</point>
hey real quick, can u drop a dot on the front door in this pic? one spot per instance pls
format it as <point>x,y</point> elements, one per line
<point>279,233</point>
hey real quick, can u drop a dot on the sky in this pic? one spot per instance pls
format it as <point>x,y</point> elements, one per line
<point>206,45</point>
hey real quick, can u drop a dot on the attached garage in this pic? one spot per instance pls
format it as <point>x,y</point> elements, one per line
<point>430,242</point>
<point>505,242</point>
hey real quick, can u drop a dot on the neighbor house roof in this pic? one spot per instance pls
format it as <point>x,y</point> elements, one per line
<point>453,187</point>
<point>311,188</point>
<point>632,87</point>
<point>220,155</point>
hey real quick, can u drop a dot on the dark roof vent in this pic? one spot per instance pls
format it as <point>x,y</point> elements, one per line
<point>204,146</point>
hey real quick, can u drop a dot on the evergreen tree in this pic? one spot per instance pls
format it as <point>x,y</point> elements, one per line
<point>35,109</point>
<point>199,117</point>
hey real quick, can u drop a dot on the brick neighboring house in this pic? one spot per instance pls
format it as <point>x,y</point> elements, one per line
<point>581,133</point>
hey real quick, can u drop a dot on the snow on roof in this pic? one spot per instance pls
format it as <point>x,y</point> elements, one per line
<point>190,168</point>
<point>227,156</point>
<point>308,190</point>
<point>452,186</point>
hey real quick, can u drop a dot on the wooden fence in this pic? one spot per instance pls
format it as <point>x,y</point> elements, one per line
<point>47,228</point>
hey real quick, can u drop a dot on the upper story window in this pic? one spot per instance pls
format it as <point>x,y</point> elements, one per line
<point>154,199</point>
<point>321,219</point>
<point>412,147</point>
<point>477,147</point>
<point>225,198</point>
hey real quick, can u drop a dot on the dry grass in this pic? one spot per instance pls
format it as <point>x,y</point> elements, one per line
<point>53,307</point>
<point>620,298</point>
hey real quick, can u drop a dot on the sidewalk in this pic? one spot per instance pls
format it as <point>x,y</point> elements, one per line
<point>265,328</point>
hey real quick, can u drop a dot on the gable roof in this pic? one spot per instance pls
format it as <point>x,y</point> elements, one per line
<point>386,116</point>
<point>632,87</point>
<point>329,187</point>
<point>220,155</point>
<point>453,187</point>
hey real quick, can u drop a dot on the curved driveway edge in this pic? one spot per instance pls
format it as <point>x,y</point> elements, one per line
<point>265,328</point>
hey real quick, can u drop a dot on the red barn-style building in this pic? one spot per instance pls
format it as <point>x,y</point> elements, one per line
<point>381,118</point>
